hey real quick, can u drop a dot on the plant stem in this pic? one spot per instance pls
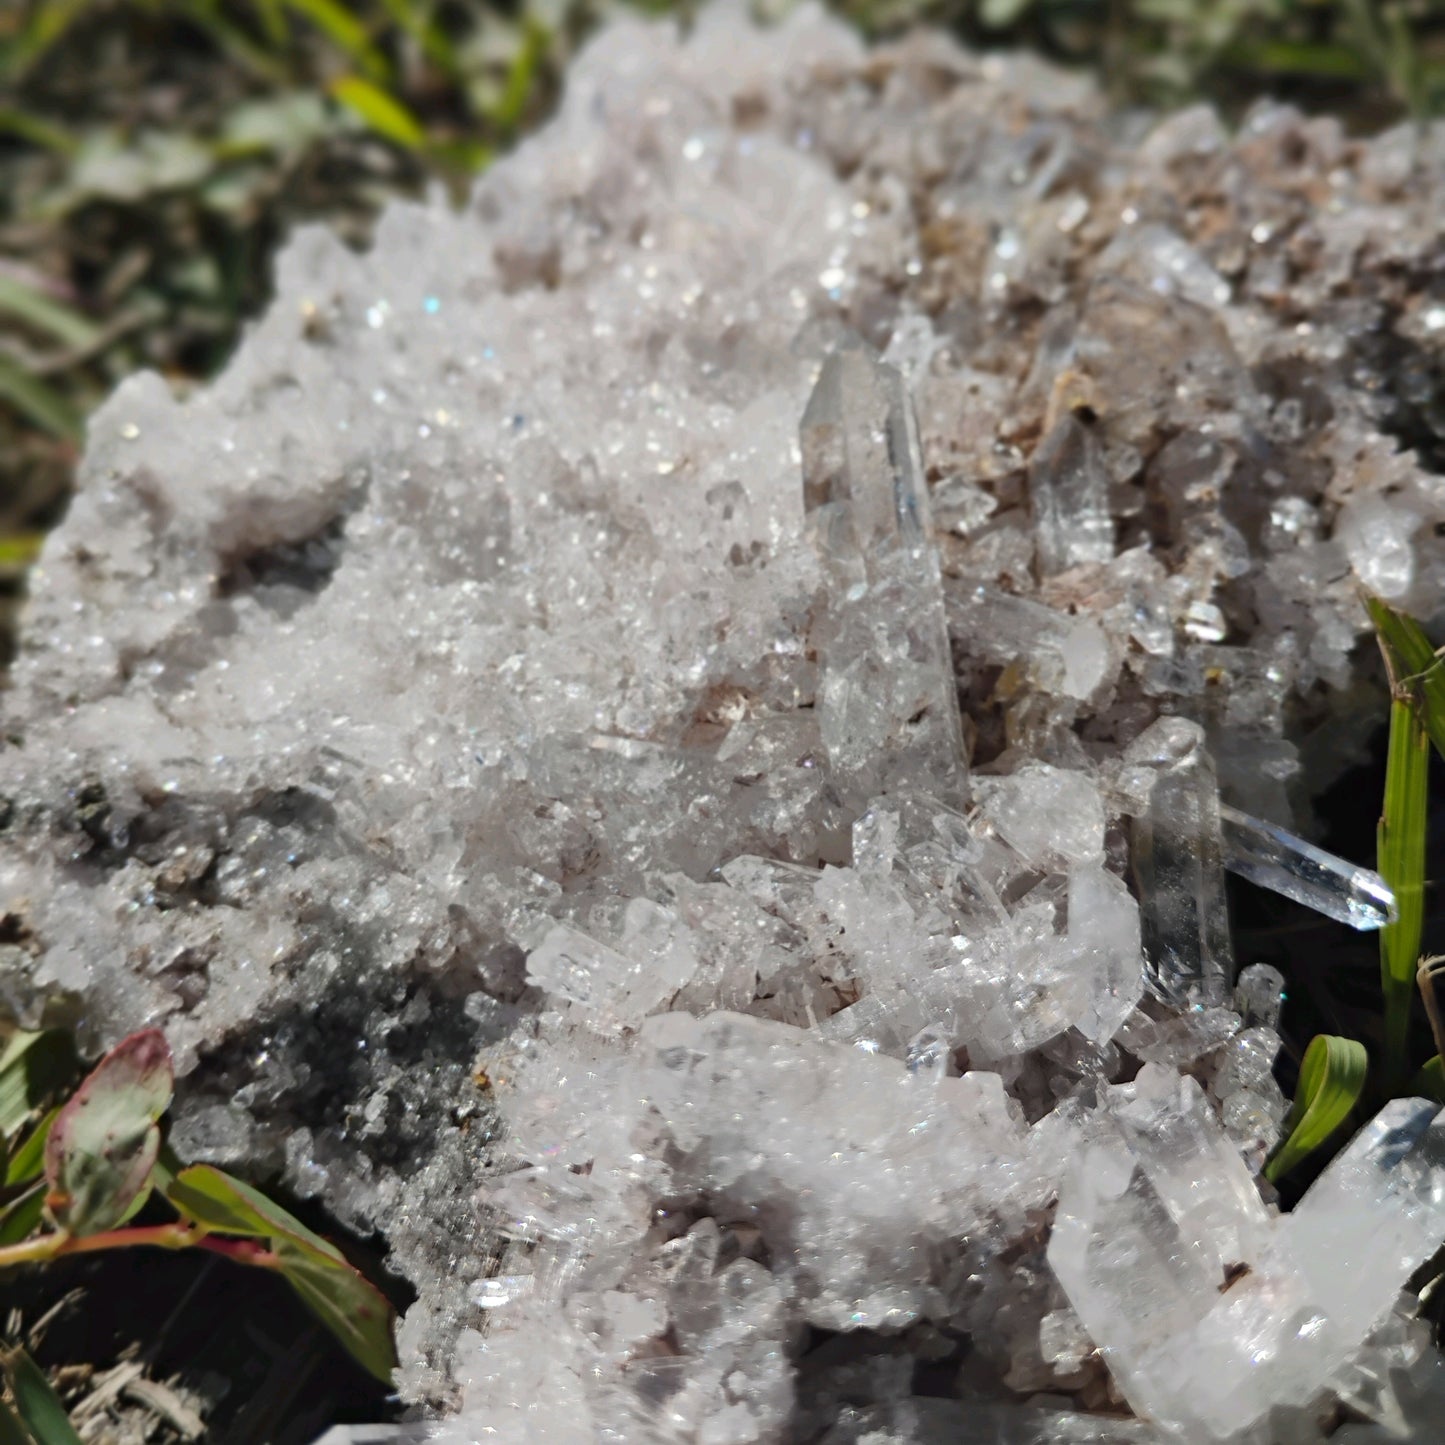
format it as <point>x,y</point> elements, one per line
<point>1401,853</point>
<point>158,1236</point>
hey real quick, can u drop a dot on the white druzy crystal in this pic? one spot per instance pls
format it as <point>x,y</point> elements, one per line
<point>615,740</point>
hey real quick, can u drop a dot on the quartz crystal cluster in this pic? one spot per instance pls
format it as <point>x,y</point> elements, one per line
<point>669,739</point>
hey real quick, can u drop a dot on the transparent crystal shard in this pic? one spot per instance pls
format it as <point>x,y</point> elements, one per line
<point>887,704</point>
<point>1156,1207</point>
<point>1177,857</point>
<point>1259,995</point>
<point>1067,657</point>
<point>862,466</point>
<point>1069,497</point>
<point>1276,859</point>
<point>1211,1314</point>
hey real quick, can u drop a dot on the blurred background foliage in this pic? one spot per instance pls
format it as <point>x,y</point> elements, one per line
<point>154,152</point>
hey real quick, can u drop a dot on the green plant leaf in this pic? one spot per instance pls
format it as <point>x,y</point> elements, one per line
<point>32,1065</point>
<point>1429,1080</point>
<point>351,1307</point>
<point>1413,664</point>
<point>415,20</point>
<point>36,1403</point>
<point>24,126</point>
<point>27,1162</point>
<point>386,115</point>
<point>1331,1080</point>
<point>1400,847</point>
<point>344,1301</point>
<point>344,31</point>
<point>12,1432</point>
<point>104,1142</point>
<point>21,1217</point>
<point>508,109</point>
<point>46,316</point>
<point>41,403</point>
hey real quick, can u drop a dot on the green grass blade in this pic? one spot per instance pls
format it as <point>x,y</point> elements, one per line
<point>41,403</point>
<point>346,32</point>
<point>32,128</point>
<point>1331,1080</point>
<point>32,1065</point>
<point>1400,843</point>
<point>36,1403</point>
<point>21,1217</point>
<point>50,318</point>
<point>386,115</point>
<point>1414,664</point>
<point>12,1432</point>
<point>28,1160</point>
<point>418,22</point>
<point>522,74</point>
<point>1429,1080</point>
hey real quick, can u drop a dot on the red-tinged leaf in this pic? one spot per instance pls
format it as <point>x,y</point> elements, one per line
<point>353,1309</point>
<point>349,1306</point>
<point>104,1142</point>
<point>211,1197</point>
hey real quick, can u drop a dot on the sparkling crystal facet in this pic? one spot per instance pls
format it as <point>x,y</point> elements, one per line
<point>1176,852</point>
<point>1274,858</point>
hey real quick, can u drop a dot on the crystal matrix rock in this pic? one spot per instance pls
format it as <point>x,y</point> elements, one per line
<point>1210,1312</point>
<point>503,730</point>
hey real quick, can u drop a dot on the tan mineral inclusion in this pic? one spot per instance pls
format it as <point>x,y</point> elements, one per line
<point>611,740</point>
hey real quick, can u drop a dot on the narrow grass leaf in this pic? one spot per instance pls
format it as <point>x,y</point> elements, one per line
<point>17,552</point>
<point>27,1162</point>
<point>348,33</point>
<point>419,23</point>
<point>1294,57</point>
<point>36,1403</point>
<point>521,81</point>
<point>104,1142</point>
<point>43,315</point>
<point>1331,1080</point>
<point>21,1217</point>
<point>24,126</point>
<point>33,1063</point>
<point>1429,1080</point>
<point>386,115</point>
<point>41,403</point>
<point>47,25</point>
<point>12,1432</point>
<point>1400,844</point>
<point>1414,664</point>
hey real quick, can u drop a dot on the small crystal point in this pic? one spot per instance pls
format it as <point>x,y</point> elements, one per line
<point>1069,497</point>
<point>861,454</point>
<point>1276,859</point>
<point>1176,852</point>
<point>887,705</point>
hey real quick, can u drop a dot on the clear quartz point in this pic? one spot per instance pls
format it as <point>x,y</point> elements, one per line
<point>1276,859</point>
<point>1069,497</point>
<point>1177,857</point>
<point>888,703</point>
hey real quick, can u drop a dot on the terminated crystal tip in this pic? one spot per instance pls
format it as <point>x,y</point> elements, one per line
<point>1276,859</point>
